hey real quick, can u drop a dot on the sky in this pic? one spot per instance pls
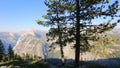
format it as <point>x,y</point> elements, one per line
<point>18,15</point>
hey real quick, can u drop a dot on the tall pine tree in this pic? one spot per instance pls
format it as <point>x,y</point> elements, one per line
<point>86,12</point>
<point>85,28</point>
<point>2,50</point>
<point>56,19</point>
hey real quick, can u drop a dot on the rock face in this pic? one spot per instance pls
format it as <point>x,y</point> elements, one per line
<point>31,42</point>
<point>9,38</point>
<point>34,42</point>
<point>27,42</point>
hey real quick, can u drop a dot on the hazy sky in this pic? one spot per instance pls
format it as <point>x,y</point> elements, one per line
<point>17,15</point>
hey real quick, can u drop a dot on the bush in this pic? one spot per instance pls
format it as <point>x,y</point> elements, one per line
<point>14,63</point>
<point>39,64</point>
<point>25,64</point>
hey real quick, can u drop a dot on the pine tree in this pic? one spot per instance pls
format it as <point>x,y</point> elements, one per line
<point>86,12</point>
<point>2,50</point>
<point>10,53</point>
<point>56,19</point>
<point>84,28</point>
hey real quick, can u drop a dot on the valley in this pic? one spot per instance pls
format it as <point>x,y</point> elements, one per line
<point>33,43</point>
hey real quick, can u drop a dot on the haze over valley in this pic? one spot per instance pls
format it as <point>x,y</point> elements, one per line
<point>34,41</point>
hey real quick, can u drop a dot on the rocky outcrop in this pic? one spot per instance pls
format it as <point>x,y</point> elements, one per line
<point>31,42</point>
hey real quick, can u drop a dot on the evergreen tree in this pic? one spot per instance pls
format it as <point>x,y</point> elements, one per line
<point>10,53</point>
<point>86,12</point>
<point>17,57</point>
<point>84,28</point>
<point>2,50</point>
<point>56,19</point>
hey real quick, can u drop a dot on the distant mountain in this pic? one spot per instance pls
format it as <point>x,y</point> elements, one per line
<point>9,38</point>
<point>34,42</point>
<point>31,42</point>
<point>115,48</point>
<point>27,42</point>
<point>115,34</point>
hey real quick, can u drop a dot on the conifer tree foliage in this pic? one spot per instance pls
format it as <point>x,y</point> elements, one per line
<point>79,22</point>
<point>101,46</point>
<point>2,50</point>
<point>86,12</point>
<point>56,20</point>
<point>10,53</point>
<point>85,29</point>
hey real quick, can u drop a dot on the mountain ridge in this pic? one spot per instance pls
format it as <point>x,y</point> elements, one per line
<point>34,42</point>
<point>13,38</point>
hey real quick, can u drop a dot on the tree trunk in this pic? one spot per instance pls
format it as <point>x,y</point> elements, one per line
<point>81,59</point>
<point>77,46</point>
<point>60,40</point>
<point>62,55</point>
<point>60,43</point>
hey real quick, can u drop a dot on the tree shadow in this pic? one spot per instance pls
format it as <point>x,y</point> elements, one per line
<point>99,63</point>
<point>107,63</point>
<point>56,63</point>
